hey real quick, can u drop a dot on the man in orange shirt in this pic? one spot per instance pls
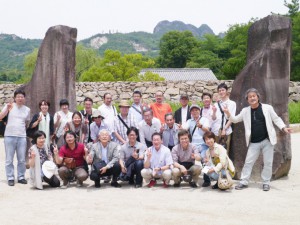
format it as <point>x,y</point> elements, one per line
<point>159,108</point>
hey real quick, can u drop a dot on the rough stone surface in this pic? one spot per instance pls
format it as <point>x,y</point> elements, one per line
<point>54,75</point>
<point>267,70</point>
<point>98,89</point>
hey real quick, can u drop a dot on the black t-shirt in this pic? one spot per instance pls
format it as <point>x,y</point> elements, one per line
<point>259,130</point>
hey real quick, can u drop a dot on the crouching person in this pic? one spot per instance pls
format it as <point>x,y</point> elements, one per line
<point>184,156</point>
<point>132,158</point>
<point>157,163</point>
<point>217,160</point>
<point>42,167</point>
<point>72,157</point>
<point>104,157</point>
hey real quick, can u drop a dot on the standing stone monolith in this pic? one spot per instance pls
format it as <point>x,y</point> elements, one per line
<point>54,74</point>
<point>267,70</point>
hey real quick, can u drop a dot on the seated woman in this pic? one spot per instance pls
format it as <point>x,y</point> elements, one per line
<point>132,158</point>
<point>41,163</point>
<point>42,121</point>
<point>72,157</point>
<point>216,159</point>
<point>78,127</point>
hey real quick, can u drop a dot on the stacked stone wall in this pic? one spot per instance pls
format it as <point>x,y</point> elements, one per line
<point>123,90</point>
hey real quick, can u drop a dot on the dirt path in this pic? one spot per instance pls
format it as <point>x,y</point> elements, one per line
<point>23,205</point>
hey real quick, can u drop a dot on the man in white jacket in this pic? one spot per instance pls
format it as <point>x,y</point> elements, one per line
<point>260,135</point>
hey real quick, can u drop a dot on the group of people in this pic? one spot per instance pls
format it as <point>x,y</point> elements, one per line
<point>141,141</point>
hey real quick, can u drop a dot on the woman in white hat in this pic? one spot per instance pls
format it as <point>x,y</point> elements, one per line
<point>42,167</point>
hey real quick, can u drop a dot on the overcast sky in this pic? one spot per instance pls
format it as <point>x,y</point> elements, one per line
<point>32,18</point>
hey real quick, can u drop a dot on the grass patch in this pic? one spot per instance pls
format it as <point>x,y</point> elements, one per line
<point>294,112</point>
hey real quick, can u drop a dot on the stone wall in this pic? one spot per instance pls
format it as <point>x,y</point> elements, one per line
<point>124,90</point>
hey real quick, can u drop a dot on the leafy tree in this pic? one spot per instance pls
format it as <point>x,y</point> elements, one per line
<point>30,61</point>
<point>293,7</point>
<point>236,40</point>
<point>85,59</point>
<point>176,49</point>
<point>117,67</point>
<point>294,14</point>
<point>148,76</point>
<point>212,53</point>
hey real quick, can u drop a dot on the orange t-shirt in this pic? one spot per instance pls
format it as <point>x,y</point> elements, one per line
<point>160,110</point>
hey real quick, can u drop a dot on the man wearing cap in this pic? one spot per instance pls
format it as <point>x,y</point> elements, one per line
<point>260,136</point>
<point>148,126</point>
<point>97,125</point>
<point>183,114</point>
<point>123,121</point>
<point>157,162</point>
<point>159,108</point>
<point>170,131</point>
<point>197,126</point>
<point>184,155</point>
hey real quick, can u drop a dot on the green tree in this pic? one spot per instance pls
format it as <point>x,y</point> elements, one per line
<point>236,39</point>
<point>117,67</point>
<point>294,14</point>
<point>211,53</point>
<point>148,76</point>
<point>293,7</point>
<point>176,49</point>
<point>30,61</point>
<point>85,59</point>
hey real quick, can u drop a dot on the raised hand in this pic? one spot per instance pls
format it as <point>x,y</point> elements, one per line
<point>149,154</point>
<point>32,154</point>
<point>214,108</point>
<point>226,110</point>
<point>55,150</point>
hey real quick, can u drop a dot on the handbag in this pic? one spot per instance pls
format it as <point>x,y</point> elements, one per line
<point>225,182</point>
<point>3,123</point>
<point>69,163</point>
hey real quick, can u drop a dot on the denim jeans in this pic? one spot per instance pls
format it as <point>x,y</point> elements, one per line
<point>12,145</point>
<point>203,150</point>
<point>215,176</point>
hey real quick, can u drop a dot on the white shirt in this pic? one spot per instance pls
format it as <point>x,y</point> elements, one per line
<point>138,116</point>
<point>64,119</point>
<point>17,118</point>
<point>160,158</point>
<point>109,113</point>
<point>146,131</point>
<point>197,138</point>
<point>216,125</point>
<point>184,111</point>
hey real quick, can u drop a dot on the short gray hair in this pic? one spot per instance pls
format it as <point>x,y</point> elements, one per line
<point>252,90</point>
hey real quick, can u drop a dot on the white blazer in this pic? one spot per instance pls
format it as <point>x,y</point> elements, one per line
<point>270,116</point>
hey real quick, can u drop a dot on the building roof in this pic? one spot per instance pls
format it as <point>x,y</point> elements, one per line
<point>176,74</point>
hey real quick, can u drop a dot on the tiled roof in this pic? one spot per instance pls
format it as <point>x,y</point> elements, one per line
<point>174,74</point>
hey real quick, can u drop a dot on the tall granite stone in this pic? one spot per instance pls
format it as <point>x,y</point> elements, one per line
<point>54,74</point>
<point>267,70</point>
